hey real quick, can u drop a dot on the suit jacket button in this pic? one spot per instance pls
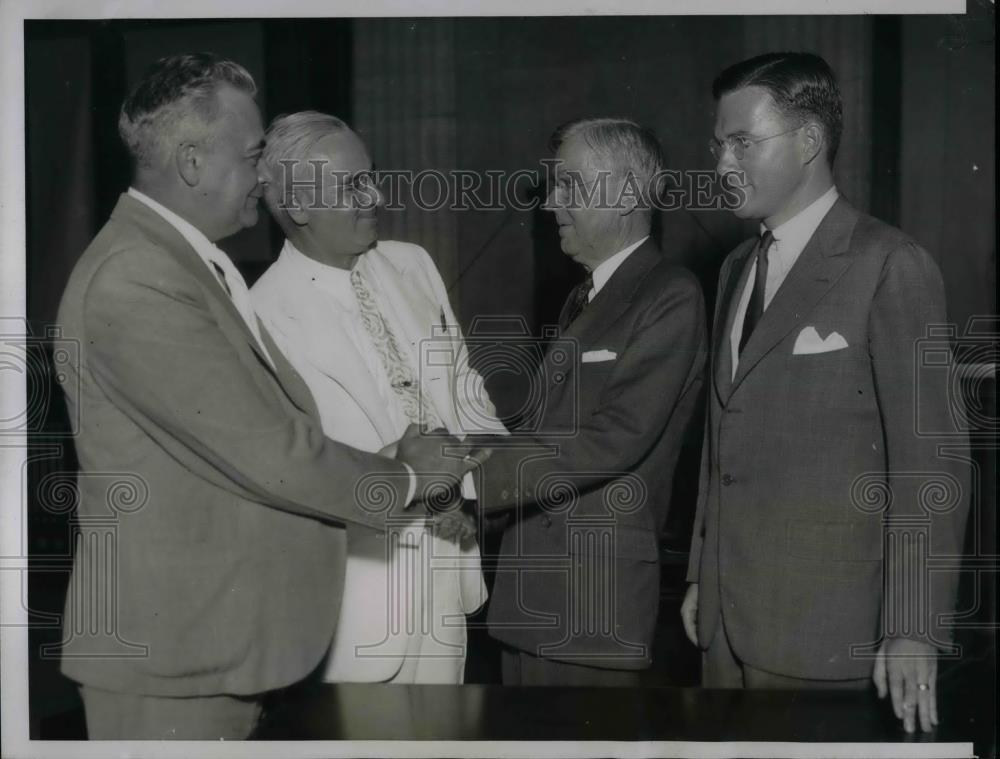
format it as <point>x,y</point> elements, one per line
<point>728,479</point>
<point>558,377</point>
<point>505,494</point>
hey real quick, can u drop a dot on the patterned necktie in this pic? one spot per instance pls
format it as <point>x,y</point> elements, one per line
<point>416,404</point>
<point>755,309</point>
<point>579,299</point>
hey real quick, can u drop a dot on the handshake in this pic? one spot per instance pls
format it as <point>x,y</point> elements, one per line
<point>440,461</point>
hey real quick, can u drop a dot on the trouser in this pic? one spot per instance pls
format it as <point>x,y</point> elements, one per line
<point>720,668</point>
<point>133,716</point>
<point>521,668</point>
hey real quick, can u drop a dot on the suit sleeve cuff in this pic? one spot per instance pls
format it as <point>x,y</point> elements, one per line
<point>469,487</point>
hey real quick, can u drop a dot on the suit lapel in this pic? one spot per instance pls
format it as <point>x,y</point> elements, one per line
<point>729,299</point>
<point>613,299</point>
<point>334,353</point>
<point>289,379</point>
<point>817,269</point>
<point>616,295</point>
<point>230,322</point>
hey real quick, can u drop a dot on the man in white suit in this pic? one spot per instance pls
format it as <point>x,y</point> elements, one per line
<point>368,325</point>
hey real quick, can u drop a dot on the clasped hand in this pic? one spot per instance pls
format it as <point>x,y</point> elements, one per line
<point>440,460</point>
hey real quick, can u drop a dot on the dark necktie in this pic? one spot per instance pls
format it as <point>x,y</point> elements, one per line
<point>222,278</point>
<point>579,300</point>
<point>755,309</point>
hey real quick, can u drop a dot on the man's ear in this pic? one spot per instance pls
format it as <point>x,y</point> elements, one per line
<point>188,160</point>
<point>630,196</point>
<point>813,141</point>
<point>295,208</point>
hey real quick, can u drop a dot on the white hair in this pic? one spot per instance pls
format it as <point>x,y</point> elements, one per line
<point>289,140</point>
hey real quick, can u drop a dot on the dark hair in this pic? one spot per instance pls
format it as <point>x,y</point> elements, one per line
<point>172,89</point>
<point>622,144</point>
<point>802,84</point>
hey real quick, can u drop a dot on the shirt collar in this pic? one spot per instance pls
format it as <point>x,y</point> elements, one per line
<point>793,235</point>
<point>330,278</point>
<point>602,273</point>
<point>204,247</point>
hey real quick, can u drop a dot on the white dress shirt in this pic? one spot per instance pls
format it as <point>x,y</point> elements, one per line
<point>609,266</point>
<point>212,256</point>
<point>790,239</point>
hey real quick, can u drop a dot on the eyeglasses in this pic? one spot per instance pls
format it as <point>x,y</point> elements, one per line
<point>739,143</point>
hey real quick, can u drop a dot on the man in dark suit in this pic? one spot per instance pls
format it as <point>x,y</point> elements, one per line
<point>223,566</point>
<point>587,484</point>
<point>799,574</point>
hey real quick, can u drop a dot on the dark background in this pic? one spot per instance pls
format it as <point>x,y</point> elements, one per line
<point>484,94</point>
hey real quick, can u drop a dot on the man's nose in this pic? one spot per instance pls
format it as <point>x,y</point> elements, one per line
<point>723,164</point>
<point>368,197</point>
<point>726,162</point>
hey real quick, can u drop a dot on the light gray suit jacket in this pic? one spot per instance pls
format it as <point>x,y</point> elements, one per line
<point>223,565</point>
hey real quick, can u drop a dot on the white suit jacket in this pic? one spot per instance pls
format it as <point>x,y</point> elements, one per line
<point>314,332</point>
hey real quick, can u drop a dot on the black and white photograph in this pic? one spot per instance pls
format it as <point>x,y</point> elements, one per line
<point>427,379</point>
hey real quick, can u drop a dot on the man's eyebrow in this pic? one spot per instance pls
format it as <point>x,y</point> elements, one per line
<point>257,148</point>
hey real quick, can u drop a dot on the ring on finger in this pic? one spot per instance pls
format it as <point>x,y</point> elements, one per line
<point>923,686</point>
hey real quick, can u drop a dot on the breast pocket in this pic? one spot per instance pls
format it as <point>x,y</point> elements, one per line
<point>593,378</point>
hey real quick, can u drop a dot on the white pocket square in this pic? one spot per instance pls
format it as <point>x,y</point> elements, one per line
<point>809,341</point>
<point>593,357</point>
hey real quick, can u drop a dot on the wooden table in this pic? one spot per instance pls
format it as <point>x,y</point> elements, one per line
<point>497,713</point>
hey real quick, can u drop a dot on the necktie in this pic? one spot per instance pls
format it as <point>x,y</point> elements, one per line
<point>415,404</point>
<point>579,299</point>
<point>755,309</point>
<point>222,278</point>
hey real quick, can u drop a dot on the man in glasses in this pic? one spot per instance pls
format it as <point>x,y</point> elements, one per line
<point>368,325</point>
<point>799,577</point>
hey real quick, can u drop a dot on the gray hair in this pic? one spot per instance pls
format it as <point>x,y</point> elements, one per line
<point>621,145</point>
<point>176,91</point>
<point>291,138</point>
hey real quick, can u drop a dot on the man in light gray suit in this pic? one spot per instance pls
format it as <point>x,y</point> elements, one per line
<point>228,572</point>
<point>797,581</point>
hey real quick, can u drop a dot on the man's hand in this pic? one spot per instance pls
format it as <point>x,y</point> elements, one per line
<point>439,461</point>
<point>907,669</point>
<point>689,612</point>
<point>454,525</point>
